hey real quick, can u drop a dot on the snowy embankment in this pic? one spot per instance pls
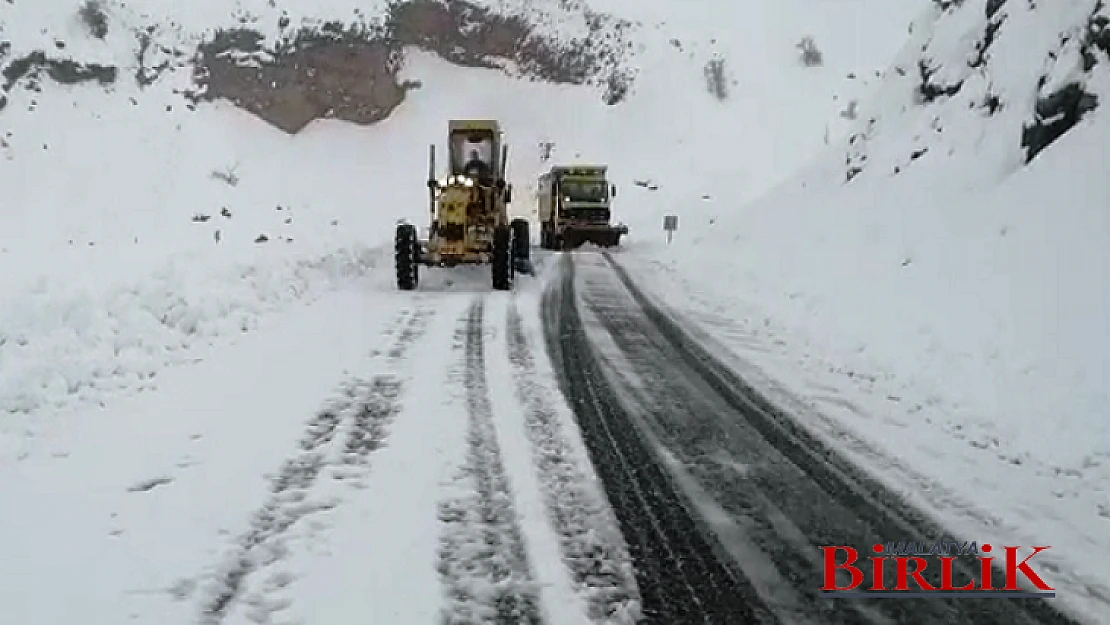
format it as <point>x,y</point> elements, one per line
<point>136,230</point>
<point>73,346</point>
<point>134,512</point>
<point>940,306</point>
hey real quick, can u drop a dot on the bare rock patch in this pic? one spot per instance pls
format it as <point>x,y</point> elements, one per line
<point>348,76</point>
<point>64,71</point>
<point>349,72</point>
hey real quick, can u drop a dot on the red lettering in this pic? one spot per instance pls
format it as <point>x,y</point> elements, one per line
<point>1013,566</point>
<point>877,569</point>
<point>985,569</point>
<point>900,581</point>
<point>903,573</point>
<point>831,567</point>
<point>877,574</point>
<point>946,575</point>
<point>920,563</point>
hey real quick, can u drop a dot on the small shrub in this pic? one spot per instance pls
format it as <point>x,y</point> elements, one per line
<point>94,17</point>
<point>546,147</point>
<point>852,111</point>
<point>811,56</point>
<point>227,175</point>
<point>944,5</point>
<point>716,81</point>
<point>617,87</point>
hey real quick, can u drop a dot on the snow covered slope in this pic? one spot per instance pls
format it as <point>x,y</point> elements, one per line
<point>936,296</point>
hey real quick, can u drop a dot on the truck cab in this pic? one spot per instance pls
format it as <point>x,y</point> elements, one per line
<point>575,207</point>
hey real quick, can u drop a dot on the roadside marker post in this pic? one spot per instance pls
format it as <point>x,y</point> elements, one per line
<point>670,224</point>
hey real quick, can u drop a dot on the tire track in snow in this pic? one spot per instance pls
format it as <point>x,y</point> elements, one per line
<point>376,410</point>
<point>482,559</point>
<point>794,491</point>
<point>379,406</point>
<point>681,572</point>
<point>593,549</point>
<point>365,407</point>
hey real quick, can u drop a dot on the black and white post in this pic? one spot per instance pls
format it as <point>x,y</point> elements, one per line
<point>670,224</point>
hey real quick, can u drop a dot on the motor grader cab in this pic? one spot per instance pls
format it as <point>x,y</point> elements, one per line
<point>468,211</point>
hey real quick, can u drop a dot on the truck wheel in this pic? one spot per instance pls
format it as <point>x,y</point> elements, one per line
<point>521,240</point>
<point>405,256</point>
<point>502,258</point>
<point>569,240</point>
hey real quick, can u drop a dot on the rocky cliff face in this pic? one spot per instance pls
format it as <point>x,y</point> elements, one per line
<point>1002,78</point>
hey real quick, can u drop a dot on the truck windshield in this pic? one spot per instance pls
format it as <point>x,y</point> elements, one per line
<point>585,190</point>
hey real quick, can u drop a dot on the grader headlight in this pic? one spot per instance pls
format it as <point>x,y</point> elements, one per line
<point>462,180</point>
<point>453,180</point>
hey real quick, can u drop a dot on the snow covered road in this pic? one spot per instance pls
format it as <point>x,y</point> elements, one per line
<point>561,454</point>
<point>376,456</point>
<point>681,577</point>
<point>670,426</point>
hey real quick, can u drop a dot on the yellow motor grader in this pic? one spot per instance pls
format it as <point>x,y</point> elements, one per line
<point>469,211</point>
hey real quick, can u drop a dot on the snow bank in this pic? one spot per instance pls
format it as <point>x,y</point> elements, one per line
<point>61,346</point>
<point>185,234</point>
<point>131,509</point>
<point>134,230</point>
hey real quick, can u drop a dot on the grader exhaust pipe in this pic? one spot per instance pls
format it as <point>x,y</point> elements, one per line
<point>432,179</point>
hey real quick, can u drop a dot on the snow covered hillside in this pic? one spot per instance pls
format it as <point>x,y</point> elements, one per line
<point>936,283</point>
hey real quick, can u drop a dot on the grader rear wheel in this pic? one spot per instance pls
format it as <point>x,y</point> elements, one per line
<point>502,266</point>
<point>521,239</point>
<point>522,246</point>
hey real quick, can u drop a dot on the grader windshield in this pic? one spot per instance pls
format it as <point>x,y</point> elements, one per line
<point>472,153</point>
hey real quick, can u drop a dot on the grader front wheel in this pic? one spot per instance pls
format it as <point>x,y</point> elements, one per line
<point>405,250</point>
